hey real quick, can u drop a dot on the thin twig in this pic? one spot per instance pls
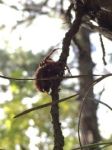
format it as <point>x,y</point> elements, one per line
<point>103,49</point>
<point>103,104</point>
<point>53,78</point>
<point>83,102</point>
<point>98,101</point>
<point>94,145</point>
<point>14,78</point>
<point>44,105</point>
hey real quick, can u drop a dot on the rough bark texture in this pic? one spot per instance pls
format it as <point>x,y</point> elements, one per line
<point>58,136</point>
<point>89,125</point>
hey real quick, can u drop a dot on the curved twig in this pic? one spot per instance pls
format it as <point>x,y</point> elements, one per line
<point>83,102</point>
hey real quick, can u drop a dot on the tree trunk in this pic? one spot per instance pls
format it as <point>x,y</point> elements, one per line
<point>89,125</point>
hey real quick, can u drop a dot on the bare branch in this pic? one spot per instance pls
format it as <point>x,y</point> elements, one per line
<point>58,135</point>
<point>71,33</point>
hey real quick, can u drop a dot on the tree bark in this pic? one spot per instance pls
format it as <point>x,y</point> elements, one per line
<point>89,125</point>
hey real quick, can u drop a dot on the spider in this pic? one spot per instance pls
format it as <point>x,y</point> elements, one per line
<point>48,68</point>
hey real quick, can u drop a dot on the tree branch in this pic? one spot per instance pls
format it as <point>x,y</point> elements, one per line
<point>44,105</point>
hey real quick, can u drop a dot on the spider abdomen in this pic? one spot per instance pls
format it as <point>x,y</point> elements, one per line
<point>47,71</point>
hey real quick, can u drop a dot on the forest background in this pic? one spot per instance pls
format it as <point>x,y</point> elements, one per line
<point>29,31</point>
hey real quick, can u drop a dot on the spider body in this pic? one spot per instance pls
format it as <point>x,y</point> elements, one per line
<point>46,70</point>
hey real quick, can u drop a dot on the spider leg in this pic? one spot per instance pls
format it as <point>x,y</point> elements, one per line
<point>47,57</point>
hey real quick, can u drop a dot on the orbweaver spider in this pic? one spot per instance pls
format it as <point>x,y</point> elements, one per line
<point>47,69</point>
